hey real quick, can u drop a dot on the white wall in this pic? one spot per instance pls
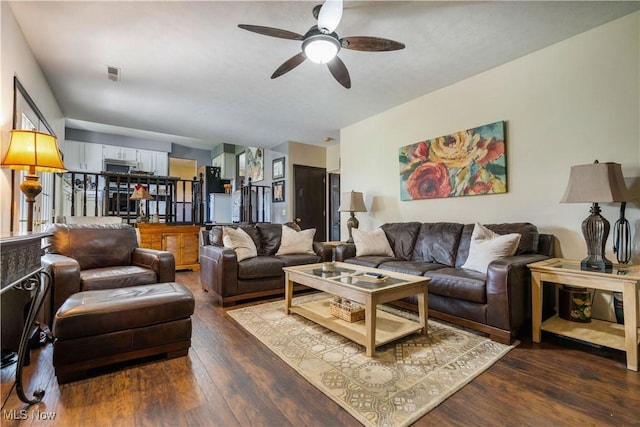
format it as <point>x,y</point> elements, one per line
<point>568,104</point>
<point>17,60</point>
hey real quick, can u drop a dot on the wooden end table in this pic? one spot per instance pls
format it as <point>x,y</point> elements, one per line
<point>623,278</point>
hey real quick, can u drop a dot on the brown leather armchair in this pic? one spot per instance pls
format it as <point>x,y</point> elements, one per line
<point>105,256</point>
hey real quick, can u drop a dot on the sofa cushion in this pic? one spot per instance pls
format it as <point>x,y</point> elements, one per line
<point>270,235</point>
<point>457,283</point>
<point>299,259</point>
<point>487,246</point>
<point>369,260</point>
<point>260,267</point>
<point>296,242</point>
<point>116,277</point>
<point>529,235</point>
<point>402,238</point>
<point>417,268</point>
<point>371,242</point>
<point>240,242</point>
<point>438,243</point>
<point>528,241</point>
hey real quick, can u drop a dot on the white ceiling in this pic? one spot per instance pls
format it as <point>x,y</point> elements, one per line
<point>190,75</point>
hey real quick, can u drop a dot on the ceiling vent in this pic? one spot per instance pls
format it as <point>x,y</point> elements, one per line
<point>113,73</point>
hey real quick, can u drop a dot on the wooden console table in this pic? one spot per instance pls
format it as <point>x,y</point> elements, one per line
<point>623,278</point>
<point>21,269</point>
<point>183,241</point>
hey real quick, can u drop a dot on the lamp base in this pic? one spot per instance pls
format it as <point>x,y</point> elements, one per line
<point>352,222</point>
<point>596,263</point>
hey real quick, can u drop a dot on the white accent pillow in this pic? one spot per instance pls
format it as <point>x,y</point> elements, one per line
<point>487,246</point>
<point>371,242</point>
<point>296,242</point>
<point>240,242</point>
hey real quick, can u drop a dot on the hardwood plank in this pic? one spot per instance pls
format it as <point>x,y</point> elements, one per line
<point>230,379</point>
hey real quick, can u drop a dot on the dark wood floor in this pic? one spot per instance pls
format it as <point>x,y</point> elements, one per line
<point>230,379</point>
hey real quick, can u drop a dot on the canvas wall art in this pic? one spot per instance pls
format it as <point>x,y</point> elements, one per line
<point>254,159</point>
<point>465,163</point>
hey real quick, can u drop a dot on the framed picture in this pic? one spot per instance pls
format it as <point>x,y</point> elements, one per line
<point>278,168</point>
<point>254,163</point>
<point>277,188</point>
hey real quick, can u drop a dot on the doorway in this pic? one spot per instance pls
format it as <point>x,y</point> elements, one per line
<point>334,205</point>
<point>309,196</point>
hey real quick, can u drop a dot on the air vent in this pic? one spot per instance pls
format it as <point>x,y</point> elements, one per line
<point>113,73</point>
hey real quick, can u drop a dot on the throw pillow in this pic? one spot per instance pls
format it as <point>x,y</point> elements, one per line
<point>240,242</point>
<point>371,242</point>
<point>296,242</point>
<point>487,246</point>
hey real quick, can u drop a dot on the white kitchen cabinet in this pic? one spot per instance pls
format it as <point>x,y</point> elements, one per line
<point>82,156</point>
<point>227,164</point>
<point>119,153</point>
<point>153,161</point>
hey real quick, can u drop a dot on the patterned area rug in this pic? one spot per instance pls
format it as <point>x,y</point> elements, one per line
<point>405,379</point>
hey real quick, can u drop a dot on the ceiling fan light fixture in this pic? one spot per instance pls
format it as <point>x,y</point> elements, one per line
<point>321,48</point>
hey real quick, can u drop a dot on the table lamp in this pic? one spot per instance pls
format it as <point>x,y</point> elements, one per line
<point>140,193</point>
<point>352,202</point>
<point>596,183</point>
<point>34,152</point>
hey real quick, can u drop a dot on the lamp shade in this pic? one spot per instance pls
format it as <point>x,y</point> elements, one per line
<point>596,183</point>
<point>352,201</point>
<point>33,151</point>
<point>141,192</point>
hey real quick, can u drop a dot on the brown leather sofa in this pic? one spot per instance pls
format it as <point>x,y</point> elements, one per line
<point>99,256</point>
<point>232,281</point>
<point>497,303</point>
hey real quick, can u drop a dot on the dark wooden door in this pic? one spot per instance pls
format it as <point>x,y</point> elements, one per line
<point>309,199</point>
<point>334,205</point>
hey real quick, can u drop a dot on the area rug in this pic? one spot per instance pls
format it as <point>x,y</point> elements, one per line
<point>405,379</point>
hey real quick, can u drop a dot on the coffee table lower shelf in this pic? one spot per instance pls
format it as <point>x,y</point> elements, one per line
<point>389,327</point>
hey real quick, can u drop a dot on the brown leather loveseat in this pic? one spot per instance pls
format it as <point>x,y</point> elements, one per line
<point>98,257</point>
<point>497,302</point>
<point>232,280</point>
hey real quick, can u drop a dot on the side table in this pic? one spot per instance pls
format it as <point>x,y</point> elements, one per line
<point>623,278</point>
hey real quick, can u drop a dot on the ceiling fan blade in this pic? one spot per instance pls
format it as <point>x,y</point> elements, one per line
<point>330,16</point>
<point>273,32</point>
<point>339,71</point>
<point>289,65</point>
<point>370,44</point>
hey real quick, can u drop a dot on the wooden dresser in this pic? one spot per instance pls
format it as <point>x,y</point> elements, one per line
<point>181,240</point>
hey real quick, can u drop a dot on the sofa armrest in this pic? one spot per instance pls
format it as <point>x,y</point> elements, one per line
<point>163,263</point>
<point>325,252</point>
<point>219,270</point>
<point>65,281</point>
<point>509,291</point>
<point>345,251</point>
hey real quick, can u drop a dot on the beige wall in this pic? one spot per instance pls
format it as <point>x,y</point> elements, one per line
<point>568,104</point>
<point>17,60</point>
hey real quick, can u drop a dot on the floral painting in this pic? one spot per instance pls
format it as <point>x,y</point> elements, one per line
<point>465,163</point>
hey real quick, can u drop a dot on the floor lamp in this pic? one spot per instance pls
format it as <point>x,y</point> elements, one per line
<point>34,152</point>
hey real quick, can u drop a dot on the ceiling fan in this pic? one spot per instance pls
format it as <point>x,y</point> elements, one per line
<point>321,43</point>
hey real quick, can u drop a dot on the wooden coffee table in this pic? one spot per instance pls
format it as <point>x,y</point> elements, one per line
<point>379,327</point>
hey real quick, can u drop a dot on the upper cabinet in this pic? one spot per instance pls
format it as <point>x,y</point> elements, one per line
<point>227,164</point>
<point>120,153</point>
<point>153,161</point>
<point>82,156</point>
<point>88,157</point>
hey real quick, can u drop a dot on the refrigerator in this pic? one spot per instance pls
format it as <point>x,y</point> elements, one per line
<point>211,184</point>
<point>220,208</point>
